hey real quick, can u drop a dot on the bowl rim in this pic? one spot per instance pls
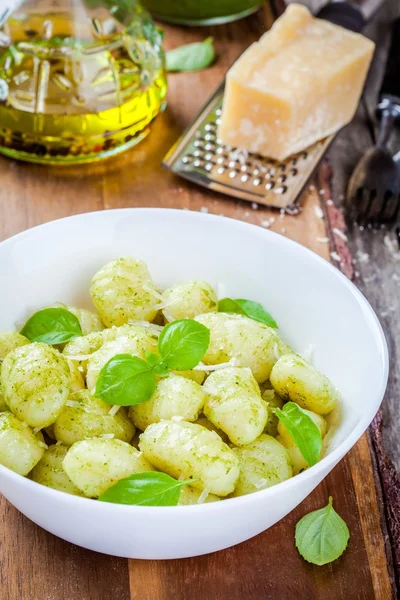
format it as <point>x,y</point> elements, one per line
<point>327,461</point>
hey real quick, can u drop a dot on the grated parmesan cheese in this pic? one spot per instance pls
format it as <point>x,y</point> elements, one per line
<point>254,205</point>
<point>232,363</point>
<point>340,234</point>
<point>154,293</point>
<point>113,410</point>
<point>323,240</point>
<point>276,351</point>
<point>308,353</point>
<point>107,436</point>
<point>318,211</point>
<point>362,257</point>
<point>392,246</point>
<point>335,256</point>
<point>203,496</point>
<point>268,222</point>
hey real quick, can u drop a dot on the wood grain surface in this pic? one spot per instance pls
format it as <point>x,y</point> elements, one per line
<point>35,565</point>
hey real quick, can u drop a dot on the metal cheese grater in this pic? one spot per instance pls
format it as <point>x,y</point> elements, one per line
<point>199,156</point>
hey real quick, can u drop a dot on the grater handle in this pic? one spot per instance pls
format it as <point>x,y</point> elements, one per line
<point>343,14</point>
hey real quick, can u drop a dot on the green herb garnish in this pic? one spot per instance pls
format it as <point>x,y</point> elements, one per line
<point>127,380</point>
<point>191,57</point>
<point>304,431</point>
<point>322,535</point>
<point>52,326</point>
<point>253,310</point>
<point>146,489</point>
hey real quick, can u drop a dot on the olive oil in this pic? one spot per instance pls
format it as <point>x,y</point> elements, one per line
<point>77,84</point>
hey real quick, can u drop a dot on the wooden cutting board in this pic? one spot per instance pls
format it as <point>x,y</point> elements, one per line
<point>35,565</point>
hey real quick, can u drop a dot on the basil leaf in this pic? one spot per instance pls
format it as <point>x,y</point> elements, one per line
<point>146,489</point>
<point>191,57</point>
<point>303,430</point>
<point>322,535</point>
<point>161,369</point>
<point>52,326</point>
<point>152,358</point>
<point>125,380</point>
<point>253,310</point>
<point>182,344</point>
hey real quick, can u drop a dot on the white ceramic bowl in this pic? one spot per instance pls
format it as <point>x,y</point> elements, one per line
<point>311,300</point>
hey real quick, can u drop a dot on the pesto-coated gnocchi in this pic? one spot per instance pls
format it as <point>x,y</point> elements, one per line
<point>263,463</point>
<point>189,495</point>
<point>3,405</point>
<point>85,416</point>
<point>36,381</point>
<point>20,448</point>
<point>88,320</point>
<point>95,465</point>
<point>50,471</point>
<point>175,397</point>
<point>186,300</point>
<point>293,378</point>
<point>9,340</point>
<point>234,404</point>
<point>250,343</point>
<point>204,422</point>
<point>187,450</point>
<point>273,401</point>
<point>298,461</point>
<point>77,381</point>
<point>136,342</point>
<point>123,290</point>
<point>214,426</point>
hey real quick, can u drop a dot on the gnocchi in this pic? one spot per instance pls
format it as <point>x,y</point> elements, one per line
<point>36,381</point>
<point>263,463</point>
<point>214,425</point>
<point>250,343</point>
<point>135,342</point>
<point>187,450</point>
<point>20,448</point>
<point>95,465</point>
<point>186,300</point>
<point>9,340</point>
<point>293,378</point>
<point>123,290</point>
<point>85,416</point>
<point>175,397</point>
<point>234,404</point>
<point>49,471</point>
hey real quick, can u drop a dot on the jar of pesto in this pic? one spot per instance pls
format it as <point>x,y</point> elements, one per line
<point>201,12</point>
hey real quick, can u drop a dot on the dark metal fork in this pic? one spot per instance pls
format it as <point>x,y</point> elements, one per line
<point>373,195</point>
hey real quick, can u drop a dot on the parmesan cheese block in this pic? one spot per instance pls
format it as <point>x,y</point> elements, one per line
<point>301,82</point>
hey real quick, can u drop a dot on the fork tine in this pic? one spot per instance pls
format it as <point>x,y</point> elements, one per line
<point>368,201</point>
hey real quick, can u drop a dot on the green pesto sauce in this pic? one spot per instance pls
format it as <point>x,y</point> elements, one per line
<point>194,10</point>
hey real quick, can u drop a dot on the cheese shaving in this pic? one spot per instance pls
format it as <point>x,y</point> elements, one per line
<point>202,367</point>
<point>113,410</point>
<point>203,496</point>
<point>154,293</point>
<point>340,234</point>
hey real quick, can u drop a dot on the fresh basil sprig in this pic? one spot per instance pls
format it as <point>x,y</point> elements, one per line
<point>322,535</point>
<point>127,380</point>
<point>304,431</point>
<point>52,326</point>
<point>253,310</point>
<point>191,57</point>
<point>146,489</point>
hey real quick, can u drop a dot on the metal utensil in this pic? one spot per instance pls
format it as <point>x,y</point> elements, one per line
<point>199,156</point>
<point>373,195</point>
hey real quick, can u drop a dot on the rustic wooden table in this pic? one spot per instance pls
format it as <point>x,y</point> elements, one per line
<point>37,566</point>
